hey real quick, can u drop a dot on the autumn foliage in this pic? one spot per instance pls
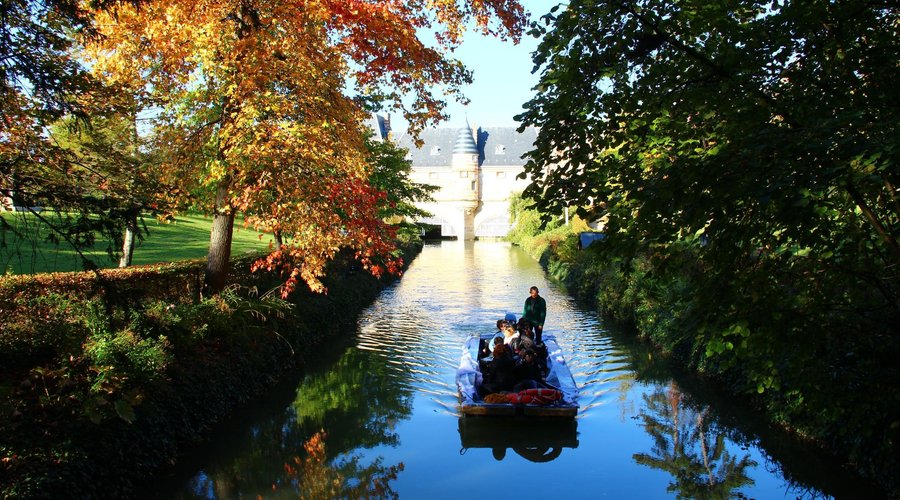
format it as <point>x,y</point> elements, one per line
<point>260,105</point>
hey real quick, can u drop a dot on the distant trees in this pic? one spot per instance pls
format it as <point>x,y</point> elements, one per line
<point>41,83</point>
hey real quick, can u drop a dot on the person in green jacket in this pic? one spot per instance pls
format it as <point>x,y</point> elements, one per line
<point>535,312</point>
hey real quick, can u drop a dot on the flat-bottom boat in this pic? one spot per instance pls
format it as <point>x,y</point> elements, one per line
<point>469,379</point>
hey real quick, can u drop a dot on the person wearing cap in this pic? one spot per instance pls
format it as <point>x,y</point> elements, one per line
<point>535,312</point>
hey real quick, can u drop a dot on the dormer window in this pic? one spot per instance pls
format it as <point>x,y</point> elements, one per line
<point>500,149</point>
<point>435,150</point>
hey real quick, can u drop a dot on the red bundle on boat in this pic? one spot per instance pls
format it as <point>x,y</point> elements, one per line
<point>535,396</point>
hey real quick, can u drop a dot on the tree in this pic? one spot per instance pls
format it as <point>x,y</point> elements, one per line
<point>761,137</point>
<point>390,171</point>
<point>40,83</point>
<point>108,154</point>
<point>255,112</point>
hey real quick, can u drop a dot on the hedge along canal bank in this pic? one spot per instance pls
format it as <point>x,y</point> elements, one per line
<point>856,427</point>
<point>108,377</point>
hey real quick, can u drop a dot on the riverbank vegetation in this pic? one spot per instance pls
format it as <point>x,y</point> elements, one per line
<point>110,376</point>
<point>811,369</point>
<point>743,160</point>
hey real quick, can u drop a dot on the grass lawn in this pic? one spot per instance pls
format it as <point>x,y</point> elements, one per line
<point>186,238</point>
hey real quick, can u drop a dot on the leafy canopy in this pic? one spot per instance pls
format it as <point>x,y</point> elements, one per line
<point>743,130</point>
<point>254,105</point>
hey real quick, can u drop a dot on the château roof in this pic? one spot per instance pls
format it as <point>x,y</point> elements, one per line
<point>496,146</point>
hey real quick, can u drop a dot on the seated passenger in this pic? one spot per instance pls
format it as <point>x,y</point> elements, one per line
<point>524,344</point>
<point>509,333</point>
<point>490,345</point>
<point>528,372</point>
<point>526,341</point>
<point>525,326</point>
<point>500,374</point>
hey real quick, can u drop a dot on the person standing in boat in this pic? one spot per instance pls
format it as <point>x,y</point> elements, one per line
<point>535,313</point>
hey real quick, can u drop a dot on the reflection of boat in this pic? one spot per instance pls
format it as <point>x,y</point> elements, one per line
<point>468,378</point>
<point>537,442</point>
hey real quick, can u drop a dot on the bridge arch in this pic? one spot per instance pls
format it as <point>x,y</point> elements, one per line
<point>447,218</point>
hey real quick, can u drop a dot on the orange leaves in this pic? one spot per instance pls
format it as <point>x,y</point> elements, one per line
<point>254,103</point>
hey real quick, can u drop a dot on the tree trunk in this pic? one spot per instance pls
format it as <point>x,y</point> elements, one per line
<point>128,244</point>
<point>278,240</point>
<point>891,242</point>
<point>219,259</point>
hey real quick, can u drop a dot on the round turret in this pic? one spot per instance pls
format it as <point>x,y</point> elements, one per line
<point>465,143</point>
<point>466,168</point>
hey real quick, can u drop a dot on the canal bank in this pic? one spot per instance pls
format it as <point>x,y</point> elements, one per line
<point>838,395</point>
<point>110,377</point>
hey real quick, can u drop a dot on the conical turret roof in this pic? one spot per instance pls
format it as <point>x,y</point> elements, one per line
<point>465,143</point>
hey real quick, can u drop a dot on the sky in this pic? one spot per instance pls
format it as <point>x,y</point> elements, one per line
<point>502,78</point>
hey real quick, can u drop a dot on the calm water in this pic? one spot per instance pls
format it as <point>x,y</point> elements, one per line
<point>376,413</point>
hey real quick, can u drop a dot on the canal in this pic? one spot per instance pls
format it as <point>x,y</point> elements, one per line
<point>375,413</point>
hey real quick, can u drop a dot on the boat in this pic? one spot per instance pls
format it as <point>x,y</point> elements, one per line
<point>559,378</point>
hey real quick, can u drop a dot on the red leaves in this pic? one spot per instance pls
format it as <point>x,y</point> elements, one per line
<point>253,105</point>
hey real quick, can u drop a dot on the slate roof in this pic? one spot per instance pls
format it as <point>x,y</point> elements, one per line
<point>497,146</point>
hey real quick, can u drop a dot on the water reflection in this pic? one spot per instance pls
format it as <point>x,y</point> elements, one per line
<point>307,475</point>
<point>688,446</point>
<point>310,448</point>
<point>538,442</point>
<point>359,395</point>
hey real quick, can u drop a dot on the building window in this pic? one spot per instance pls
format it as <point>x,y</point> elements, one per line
<point>463,174</point>
<point>432,175</point>
<point>473,185</point>
<point>435,150</point>
<point>500,149</point>
<point>501,175</point>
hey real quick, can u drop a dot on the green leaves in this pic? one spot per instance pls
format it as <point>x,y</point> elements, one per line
<point>744,156</point>
<point>741,121</point>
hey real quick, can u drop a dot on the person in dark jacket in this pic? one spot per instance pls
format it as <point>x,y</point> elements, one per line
<point>535,312</point>
<point>528,372</point>
<point>501,373</point>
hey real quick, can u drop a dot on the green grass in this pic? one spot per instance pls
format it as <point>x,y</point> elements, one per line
<point>186,238</point>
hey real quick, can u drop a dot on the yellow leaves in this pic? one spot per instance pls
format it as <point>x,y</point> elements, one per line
<point>253,94</point>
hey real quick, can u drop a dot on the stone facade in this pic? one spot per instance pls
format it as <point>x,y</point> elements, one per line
<point>476,172</point>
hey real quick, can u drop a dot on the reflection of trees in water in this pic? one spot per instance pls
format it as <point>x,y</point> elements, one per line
<point>690,448</point>
<point>359,400</point>
<point>309,475</point>
<point>355,403</point>
<point>314,477</point>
